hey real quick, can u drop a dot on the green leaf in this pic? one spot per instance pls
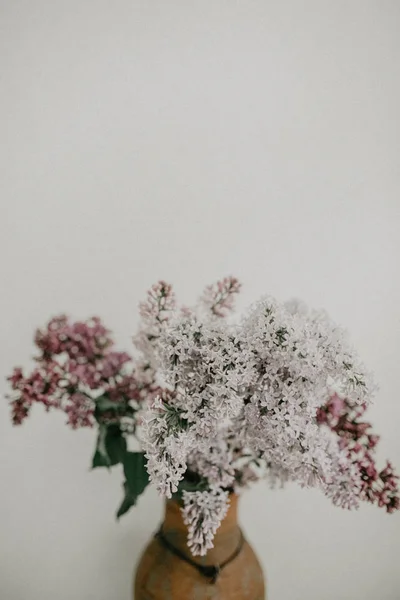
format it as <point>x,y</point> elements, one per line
<point>194,485</point>
<point>104,404</point>
<point>128,501</point>
<point>136,480</point>
<point>98,460</point>
<point>135,472</point>
<point>111,447</point>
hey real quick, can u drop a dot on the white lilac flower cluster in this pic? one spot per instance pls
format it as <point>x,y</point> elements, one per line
<point>203,514</point>
<point>240,401</point>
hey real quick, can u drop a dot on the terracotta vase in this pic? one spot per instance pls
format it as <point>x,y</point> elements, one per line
<point>163,575</point>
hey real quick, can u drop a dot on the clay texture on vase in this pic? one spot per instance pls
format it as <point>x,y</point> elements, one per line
<point>161,575</point>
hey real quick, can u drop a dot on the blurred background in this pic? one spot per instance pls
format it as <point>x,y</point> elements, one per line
<point>187,141</point>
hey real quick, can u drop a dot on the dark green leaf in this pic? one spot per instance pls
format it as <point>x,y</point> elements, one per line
<point>104,404</point>
<point>190,486</point>
<point>111,447</point>
<point>136,479</point>
<point>98,460</point>
<point>115,445</point>
<point>135,471</point>
<point>126,503</point>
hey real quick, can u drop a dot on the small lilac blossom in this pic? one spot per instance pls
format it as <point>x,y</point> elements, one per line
<point>219,298</point>
<point>202,513</point>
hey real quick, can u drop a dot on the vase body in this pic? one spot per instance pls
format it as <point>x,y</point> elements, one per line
<point>161,575</point>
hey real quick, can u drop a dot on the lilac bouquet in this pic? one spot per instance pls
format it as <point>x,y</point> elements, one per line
<point>216,404</point>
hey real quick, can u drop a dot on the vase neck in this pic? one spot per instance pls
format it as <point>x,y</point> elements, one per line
<point>226,540</point>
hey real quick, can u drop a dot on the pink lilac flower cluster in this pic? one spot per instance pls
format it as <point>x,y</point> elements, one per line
<point>268,396</point>
<point>76,363</point>
<point>159,303</point>
<point>219,298</point>
<point>359,444</point>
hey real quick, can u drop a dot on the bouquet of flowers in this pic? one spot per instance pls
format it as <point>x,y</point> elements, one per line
<point>215,403</point>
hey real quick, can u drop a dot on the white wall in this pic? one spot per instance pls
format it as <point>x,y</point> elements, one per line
<point>189,140</point>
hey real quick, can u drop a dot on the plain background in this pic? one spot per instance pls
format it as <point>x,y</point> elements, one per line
<point>186,141</point>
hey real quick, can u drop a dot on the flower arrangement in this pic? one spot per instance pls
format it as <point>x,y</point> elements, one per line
<point>215,404</point>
